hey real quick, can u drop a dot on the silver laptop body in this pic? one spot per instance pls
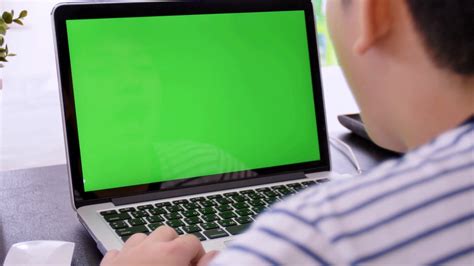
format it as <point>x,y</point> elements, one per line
<point>128,169</point>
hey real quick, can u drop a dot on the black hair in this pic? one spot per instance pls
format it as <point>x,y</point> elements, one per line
<point>447,29</point>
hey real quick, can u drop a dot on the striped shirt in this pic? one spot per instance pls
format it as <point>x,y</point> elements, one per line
<point>418,209</point>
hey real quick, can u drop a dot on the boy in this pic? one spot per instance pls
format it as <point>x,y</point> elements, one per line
<point>410,64</point>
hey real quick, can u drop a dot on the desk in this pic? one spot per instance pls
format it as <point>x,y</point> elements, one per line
<point>35,203</point>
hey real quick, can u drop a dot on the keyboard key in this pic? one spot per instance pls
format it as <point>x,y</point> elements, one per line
<point>118,224</point>
<point>162,204</point>
<point>129,209</point>
<point>271,200</point>
<point>208,203</point>
<point>179,231</point>
<point>145,207</point>
<point>231,194</point>
<point>264,189</point>
<point>174,208</point>
<point>117,217</point>
<point>192,220</point>
<point>125,238</point>
<point>208,226</point>
<point>154,226</point>
<point>155,219</point>
<point>249,191</point>
<point>210,218</point>
<point>256,203</point>
<point>237,229</point>
<point>157,211</point>
<point>199,236</point>
<point>223,201</point>
<point>172,216</point>
<point>207,210</point>
<point>244,220</point>
<point>285,191</point>
<point>198,199</point>
<point>259,209</point>
<point>244,212</point>
<point>131,230</point>
<point>227,215</point>
<point>255,196</point>
<point>226,223</point>
<point>240,205</point>
<point>182,201</point>
<point>135,222</point>
<point>295,186</point>
<point>214,197</point>
<point>224,208</point>
<point>139,214</point>
<point>110,212</point>
<point>239,198</point>
<point>308,183</point>
<point>191,229</point>
<point>279,187</point>
<point>190,213</point>
<point>270,194</point>
<point>215,233</point>
<point>191,206</point>
<point>323,180</point>
<point>175,223</point>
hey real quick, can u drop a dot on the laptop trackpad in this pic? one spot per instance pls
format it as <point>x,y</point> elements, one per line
<point>228,242</point>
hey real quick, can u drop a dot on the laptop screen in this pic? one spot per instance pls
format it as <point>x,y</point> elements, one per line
<point>173,97</point>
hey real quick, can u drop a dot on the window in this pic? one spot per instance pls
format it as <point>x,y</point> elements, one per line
<point>326,49</point>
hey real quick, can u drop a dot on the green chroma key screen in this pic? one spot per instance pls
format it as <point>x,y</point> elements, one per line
<point>172,97</point>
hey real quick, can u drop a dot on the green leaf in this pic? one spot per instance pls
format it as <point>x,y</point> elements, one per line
<point>2,40</point>
<point>3,50</point>
<point>23,14</point>
<point>18,21</point>
<point>3,59</point>
<point>7,17</point>
<point>11,55</point>
<point>3,30</point>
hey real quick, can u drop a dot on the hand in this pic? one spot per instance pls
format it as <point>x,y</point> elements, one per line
<point>162,247</point>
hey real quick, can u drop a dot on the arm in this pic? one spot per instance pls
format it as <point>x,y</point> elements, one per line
<point>162,247</point>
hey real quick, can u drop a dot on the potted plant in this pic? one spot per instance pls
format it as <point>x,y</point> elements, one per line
<point>7,19</point>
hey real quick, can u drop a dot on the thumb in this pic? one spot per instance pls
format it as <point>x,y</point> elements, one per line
<point>204,261</point>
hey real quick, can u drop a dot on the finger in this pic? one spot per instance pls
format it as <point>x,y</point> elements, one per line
<point>134,241</point>
<point>204,261</point>
<point>109,256</point>
<point>163,234</point>
<point>190,247</point>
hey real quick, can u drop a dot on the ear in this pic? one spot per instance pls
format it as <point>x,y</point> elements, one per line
<point>375,22</point>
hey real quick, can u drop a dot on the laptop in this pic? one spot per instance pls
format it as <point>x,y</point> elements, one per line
<point>195,115</point>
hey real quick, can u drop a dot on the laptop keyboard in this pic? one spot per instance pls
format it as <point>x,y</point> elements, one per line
<point>209,217</point>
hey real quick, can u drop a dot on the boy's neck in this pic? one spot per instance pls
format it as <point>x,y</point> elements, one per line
<point>442,104</point>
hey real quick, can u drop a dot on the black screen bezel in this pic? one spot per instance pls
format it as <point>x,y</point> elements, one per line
<point>65,12</point>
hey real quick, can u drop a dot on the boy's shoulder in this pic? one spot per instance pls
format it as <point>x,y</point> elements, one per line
<point>419,201</point>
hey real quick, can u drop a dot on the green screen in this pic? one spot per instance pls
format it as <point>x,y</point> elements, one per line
<point>172,97</point>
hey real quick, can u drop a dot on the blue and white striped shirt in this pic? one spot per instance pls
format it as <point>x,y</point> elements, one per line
<point>418,209</point>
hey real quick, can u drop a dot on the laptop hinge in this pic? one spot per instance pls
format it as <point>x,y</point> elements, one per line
<point>208,188</point>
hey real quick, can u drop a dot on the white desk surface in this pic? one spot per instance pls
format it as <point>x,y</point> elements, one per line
<point>31,133</point>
